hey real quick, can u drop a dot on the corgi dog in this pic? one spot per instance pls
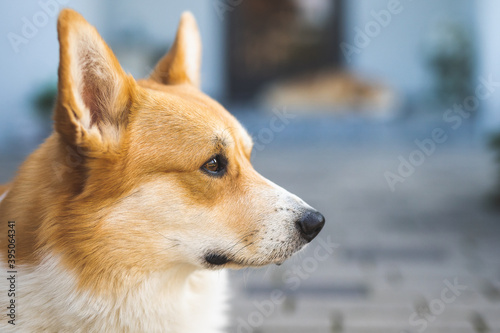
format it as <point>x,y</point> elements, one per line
<point>125,218</point>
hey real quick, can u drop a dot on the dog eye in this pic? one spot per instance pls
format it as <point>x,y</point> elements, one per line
<point>212,165</point>
<point>216,166</point>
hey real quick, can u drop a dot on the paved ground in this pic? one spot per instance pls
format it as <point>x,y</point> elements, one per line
<point>424,258</point>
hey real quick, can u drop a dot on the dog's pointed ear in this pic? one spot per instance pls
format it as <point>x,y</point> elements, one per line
<point>94,93</point>
<point>183,61</point>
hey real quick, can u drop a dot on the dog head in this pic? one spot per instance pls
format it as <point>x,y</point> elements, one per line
<point>165,176</point>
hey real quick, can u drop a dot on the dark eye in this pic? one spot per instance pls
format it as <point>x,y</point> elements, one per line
<point>215,166</point>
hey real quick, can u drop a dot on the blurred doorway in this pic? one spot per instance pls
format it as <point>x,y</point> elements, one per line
<point>268,40</point>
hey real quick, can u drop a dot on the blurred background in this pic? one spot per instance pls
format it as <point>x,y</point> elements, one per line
<point>382,114</point>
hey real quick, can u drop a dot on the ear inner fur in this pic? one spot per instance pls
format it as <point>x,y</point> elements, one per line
<point>94,91</point>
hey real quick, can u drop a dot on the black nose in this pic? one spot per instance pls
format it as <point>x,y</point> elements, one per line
<point>310,224</point>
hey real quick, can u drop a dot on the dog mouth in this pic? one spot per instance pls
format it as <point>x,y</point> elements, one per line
<point>216,259</point>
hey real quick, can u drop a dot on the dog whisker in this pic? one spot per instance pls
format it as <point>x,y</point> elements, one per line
<point>241,239</point>
<point>251,243</point>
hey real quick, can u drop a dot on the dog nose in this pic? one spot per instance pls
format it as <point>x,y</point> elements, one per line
<point>310,224</point>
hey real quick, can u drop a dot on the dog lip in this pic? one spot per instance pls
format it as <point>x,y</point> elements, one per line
<point>216,259</point>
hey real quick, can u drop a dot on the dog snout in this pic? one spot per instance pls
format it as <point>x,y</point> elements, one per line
<point>310,224</point>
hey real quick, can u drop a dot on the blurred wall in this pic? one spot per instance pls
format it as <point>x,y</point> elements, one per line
<point>489,45</point>
<point>396,52</point>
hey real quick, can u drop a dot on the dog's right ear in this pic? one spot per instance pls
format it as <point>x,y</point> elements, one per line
<point>182,63</point>
<point>94,93</point>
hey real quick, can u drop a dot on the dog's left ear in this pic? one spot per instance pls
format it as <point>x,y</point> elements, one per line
<point>183,62</point>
